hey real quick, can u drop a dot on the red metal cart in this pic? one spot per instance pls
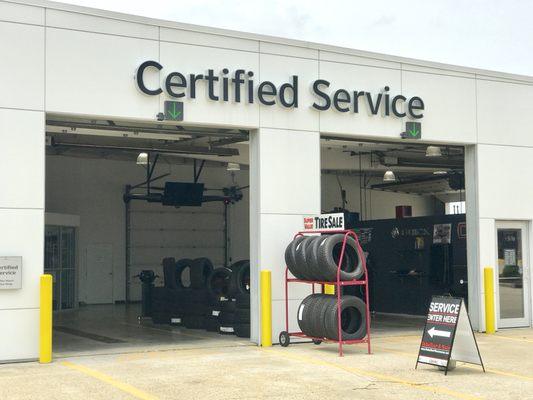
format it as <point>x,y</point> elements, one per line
<point>338,285</point>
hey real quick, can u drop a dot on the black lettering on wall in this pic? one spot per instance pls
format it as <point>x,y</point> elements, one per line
<point>321,94</point>
<point>140,77</point>
<point>266,88</point>
<point>415,103</point>
<point>194,78</point>
<point>394,105</point>
<point>340,97</point>
<point>373,107</point>
<point>292,88</point>
<point>175,80</point>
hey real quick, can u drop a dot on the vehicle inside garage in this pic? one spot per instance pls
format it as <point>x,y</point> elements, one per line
<point>406,202</point>
<point>147,235</point>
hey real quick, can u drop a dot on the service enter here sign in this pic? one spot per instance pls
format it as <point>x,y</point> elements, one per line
<point>439,332</point>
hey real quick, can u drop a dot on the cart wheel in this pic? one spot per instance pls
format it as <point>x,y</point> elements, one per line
<point>284,339</point>
<point>317,342</point>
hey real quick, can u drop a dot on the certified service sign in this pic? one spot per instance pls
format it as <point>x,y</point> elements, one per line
<point>10,272</point>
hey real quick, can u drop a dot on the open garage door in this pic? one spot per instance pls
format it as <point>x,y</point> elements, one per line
<point>145,196</point>
<point>405,199</point>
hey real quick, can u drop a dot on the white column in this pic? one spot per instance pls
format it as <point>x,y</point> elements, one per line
<point>284,186</point>
<point>475,284</point>
<point>22,125</point>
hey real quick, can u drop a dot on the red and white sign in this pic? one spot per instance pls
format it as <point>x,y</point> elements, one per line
<point>324,222</point>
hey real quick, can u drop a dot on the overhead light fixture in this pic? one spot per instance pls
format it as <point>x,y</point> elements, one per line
<point>433,151</point>
<point>389,176</point>
<point>440,172</point>
<point>142,159</point>
<point>233,167</point>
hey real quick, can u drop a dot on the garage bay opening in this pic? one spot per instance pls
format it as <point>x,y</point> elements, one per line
<point>147,235</point>
<point>406,202</point>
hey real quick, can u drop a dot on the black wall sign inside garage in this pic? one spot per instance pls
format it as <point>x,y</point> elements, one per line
<point>448,335</point>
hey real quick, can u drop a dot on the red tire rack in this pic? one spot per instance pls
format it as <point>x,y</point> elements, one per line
<point>338,285</point>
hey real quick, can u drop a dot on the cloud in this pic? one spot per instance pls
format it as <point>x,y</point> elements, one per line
<point>488,34</point>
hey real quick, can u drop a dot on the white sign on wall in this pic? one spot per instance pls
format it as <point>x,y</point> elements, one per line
<point>324,222</point>
<point>10,272</point>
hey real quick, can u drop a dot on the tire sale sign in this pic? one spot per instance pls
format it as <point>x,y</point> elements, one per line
<point>448,335</point>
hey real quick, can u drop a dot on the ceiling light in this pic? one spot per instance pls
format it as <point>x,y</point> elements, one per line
<point>233,167</point>
<point>389,176</point>
<point>440,172</point>
<point>433,151</point>
<point>142,159</point>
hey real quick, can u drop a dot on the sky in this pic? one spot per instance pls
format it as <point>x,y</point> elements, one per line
<point>488,34</point>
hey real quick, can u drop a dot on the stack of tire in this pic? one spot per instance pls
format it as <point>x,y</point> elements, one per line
<point>316,258</point>
<point>234,316</point>
<point>218,287</point>
<point>215,299</point>
<point>183,300</point>
<point>318,317</point>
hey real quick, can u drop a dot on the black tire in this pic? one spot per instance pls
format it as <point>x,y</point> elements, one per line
<point>160,318</point>
<point>305,313</point>
<point>237,264</point>
<point>242,316</point>
<point>315,269</point>
<point>239,282</point>
<point>301,257</point>
<point>194,321</point>
<point>194,309</point>
<point>242,300</point>
<point>353,319</point>
<point>200,271</point>
<point>290,257</point>
<point>169,273</point>
<point>226,318</point>
<point>212,324</point>
<point>284,339</point>
<point>328,257</point>
<point>183,265</point>
<point>242,330</point>
<point>317,322</point>
<point>317,342</point>
<point>218,283</point>
<point>228,306</point>
<point>226,321</point>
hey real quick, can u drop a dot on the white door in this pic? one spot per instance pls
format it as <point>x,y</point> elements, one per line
<point>513,276</point>
<point>99,269</point>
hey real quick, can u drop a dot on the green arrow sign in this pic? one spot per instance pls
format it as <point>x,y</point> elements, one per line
<point>413,130</point>
<point>173,111</point>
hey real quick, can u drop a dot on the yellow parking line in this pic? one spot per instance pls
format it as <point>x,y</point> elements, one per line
<point>375,375</point>
<point>111,381</point>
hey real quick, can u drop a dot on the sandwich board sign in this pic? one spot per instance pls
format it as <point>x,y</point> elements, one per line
<point>448,335</point>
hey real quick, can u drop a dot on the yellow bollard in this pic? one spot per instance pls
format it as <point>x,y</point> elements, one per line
<point>329,289</point>
<point>266,308</point>
<point>45,326</point>
<point>490,326</point>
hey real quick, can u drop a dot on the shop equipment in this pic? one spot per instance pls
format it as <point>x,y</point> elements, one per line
<point>147,278</point>
<point>284,336</point>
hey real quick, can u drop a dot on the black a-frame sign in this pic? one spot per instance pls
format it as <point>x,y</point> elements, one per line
<point>448,335</point>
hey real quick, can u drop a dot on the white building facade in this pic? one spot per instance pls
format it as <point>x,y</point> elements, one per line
<point>60,59</point>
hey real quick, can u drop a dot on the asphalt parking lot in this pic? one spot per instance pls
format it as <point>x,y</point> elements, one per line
<point>300,371</point>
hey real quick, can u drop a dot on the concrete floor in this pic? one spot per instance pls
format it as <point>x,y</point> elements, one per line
<point>113,329</point>
<point>227,368</point>
<point>302,371</point>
